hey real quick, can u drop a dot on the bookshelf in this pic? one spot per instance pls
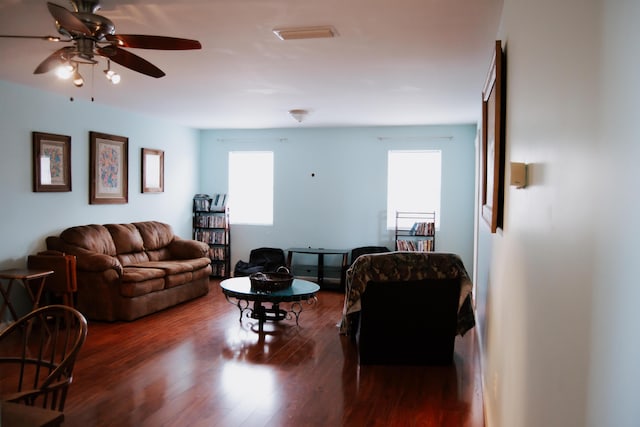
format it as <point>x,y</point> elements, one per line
<point>415,231</point>
<point>211,225</point>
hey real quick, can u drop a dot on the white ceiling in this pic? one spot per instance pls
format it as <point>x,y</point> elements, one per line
<point>394,62</point>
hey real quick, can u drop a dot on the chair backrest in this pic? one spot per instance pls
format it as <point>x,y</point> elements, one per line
<point>63,280</point>
<point>364,250</point>
<point>269,258</point>
<point>408,322</point>
<point>37,356</point>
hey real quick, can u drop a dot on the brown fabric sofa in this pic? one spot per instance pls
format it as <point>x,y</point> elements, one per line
<point>126,271</point>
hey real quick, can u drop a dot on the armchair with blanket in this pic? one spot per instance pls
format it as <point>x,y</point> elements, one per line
<point>407,307</point>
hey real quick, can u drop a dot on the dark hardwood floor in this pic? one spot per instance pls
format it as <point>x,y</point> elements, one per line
<point>197,365</point>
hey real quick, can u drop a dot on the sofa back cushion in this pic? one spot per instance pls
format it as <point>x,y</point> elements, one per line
<point>92,237</point>
<point>126,238</point>
<point>155,235</point>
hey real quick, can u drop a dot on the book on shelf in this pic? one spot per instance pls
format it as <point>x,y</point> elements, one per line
<point>216,237</point>
<point>423,229</point>
<point>210,221</point>
<point>201,202</point>
<point>218,202</point>
<point>217,254</point>
<point>415,245</point>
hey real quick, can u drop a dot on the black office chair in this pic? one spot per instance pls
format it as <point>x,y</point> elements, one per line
<point>262,259</point>
<point>364,250</point>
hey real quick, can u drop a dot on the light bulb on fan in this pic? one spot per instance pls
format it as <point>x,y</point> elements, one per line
<point>111,75</point>
<point>65,71</point>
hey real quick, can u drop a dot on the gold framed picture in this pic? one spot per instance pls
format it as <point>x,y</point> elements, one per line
<point>51,162</point>
<point>152,170</point>
<point>108,169</point>
<point>492,158</point>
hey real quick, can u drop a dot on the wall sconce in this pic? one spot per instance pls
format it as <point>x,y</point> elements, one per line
<point>518,174</point>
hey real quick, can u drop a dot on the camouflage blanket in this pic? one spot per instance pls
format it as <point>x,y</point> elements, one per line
<point>394,266</point>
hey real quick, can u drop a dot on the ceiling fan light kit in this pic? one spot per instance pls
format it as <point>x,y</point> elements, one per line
<point>94,36</point>
<point>64,71</point>
<point>78,81</point>
<point>111,75</point>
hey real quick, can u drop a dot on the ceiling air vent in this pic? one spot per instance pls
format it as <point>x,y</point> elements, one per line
<point>305,33</point>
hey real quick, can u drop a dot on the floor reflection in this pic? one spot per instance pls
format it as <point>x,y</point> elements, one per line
<point>278,343</point>
<point>243,382</point>
<point>437,396</point>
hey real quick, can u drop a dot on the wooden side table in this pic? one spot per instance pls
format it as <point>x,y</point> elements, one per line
<point>27,277</point>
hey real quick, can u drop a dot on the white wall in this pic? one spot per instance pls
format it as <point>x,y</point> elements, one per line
<point>344,205</point>
<point>28,217</point>
<point>559,329</point>
<point>614,376</point>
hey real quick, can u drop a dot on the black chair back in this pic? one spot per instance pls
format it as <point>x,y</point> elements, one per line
<point>408,322</point>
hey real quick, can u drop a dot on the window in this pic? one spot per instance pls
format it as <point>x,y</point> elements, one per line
<point>251,187</point>
<point>413,183</point>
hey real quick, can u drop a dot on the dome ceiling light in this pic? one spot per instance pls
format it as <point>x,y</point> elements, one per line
<point>298,114</point>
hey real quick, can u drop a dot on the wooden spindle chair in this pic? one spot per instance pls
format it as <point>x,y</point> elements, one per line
<point>37,356</point>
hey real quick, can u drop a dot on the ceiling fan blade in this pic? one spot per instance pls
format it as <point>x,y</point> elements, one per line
<point>67,20</point>
<point>52,61</point>
<point>153,42</point>
<point>129,60</point>
<point>48,38</point>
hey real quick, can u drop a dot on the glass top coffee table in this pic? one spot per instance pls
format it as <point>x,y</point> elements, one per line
<point>239,293</point>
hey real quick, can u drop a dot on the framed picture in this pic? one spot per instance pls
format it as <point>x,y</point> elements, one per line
<point>152,171</point>
<point>493,142</point>
<point>108,169</point>
<point>51,162</point>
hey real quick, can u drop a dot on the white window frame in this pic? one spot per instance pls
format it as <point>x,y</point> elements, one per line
<point>251,187</point>
<point>414,183</point>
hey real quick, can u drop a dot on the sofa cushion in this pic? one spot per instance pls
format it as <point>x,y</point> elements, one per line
<point>136,289</point>
<point>126,238</point>
<point>139,274</point>
<point>169,267</point>
<point>139,281</point>
<point>93,237</point>
<point>155,234</point>
<point>133,259</point>
<point>159,254</point>
<point>197,263</point>
<point>202,273</point>
<point>187,249</point>
<point>178,279</point>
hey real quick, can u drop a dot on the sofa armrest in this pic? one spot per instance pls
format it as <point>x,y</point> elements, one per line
<point>98,262</point>
<point>86,260</point>
<point>187,249</point>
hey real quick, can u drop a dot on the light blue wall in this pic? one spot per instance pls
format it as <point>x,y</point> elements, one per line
<point>28,217</point>
<point>344,205</point>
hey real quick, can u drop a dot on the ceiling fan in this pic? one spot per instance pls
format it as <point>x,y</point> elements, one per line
<point>93,36</point>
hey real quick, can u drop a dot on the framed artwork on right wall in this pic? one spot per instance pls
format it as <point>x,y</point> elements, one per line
<point>492,157</point>
<point>152,170</point>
